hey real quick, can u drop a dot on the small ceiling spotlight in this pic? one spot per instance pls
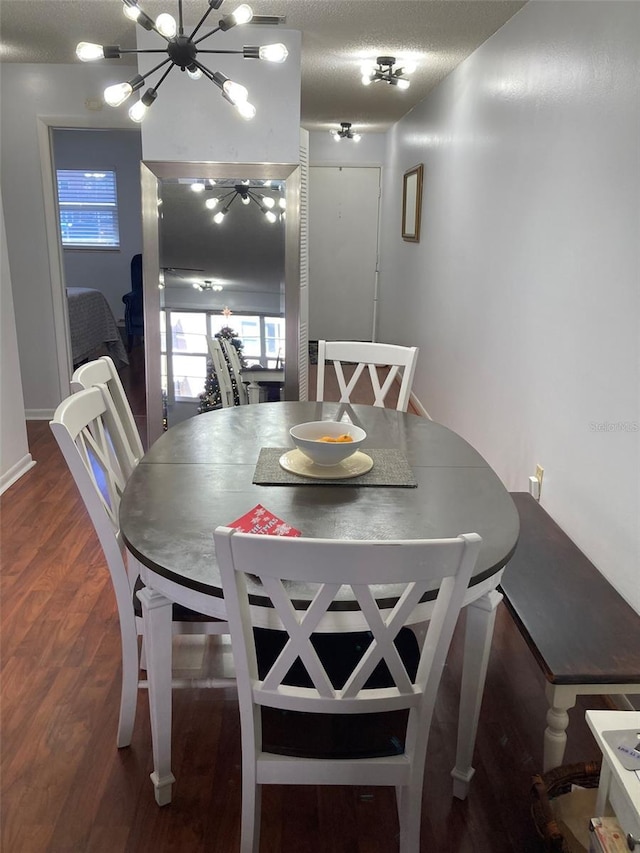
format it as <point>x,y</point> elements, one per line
<point>382,69</point>
<point>345,132</point>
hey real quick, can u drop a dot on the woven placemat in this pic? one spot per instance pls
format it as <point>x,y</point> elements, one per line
<point>390,468</point>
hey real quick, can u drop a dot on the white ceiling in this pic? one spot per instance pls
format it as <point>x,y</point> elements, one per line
<point>336,36</point>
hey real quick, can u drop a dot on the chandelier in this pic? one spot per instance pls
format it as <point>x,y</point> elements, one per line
<point>207,284</point>
<point>182,52</point>
<point>345,132</point>
<point>382,70</point>
<point>271,209</point>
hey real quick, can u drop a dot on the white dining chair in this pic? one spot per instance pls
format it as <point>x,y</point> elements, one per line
<point>221,369</point>
<point>415,568</point>
<point>400,360</point>
<point>90,436</point>
<point>102,371</point>
<point>235,369</point>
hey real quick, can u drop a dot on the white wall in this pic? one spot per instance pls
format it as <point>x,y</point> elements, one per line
<point>15,458</point>
<point>27,93</point>
<point>523,293</point>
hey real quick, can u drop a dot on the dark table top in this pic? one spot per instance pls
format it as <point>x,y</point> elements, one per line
<point>198,475</point>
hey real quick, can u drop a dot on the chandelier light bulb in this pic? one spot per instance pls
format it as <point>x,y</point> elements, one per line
<point>403,84</point>
<point>282,203</point>
<point>117,94</point>
<point>246,110</point>
<point>270,216</point>
<point>273,52</point>
<point>131,12</point>
<point>242,14</point>
<point>138,111</point>
<point>219,217</point>
<point>166,25</point>
<point>88,52</point>
<point>408,66</point>
<point>268,201</point>
<point>194,73</point>
<point>245,199</point>
<point>197,187</point>
<point>235,92</point>
<point>356,137</point>
<point>211,203</point>
<point>366,79</point>
<point>196,285</point>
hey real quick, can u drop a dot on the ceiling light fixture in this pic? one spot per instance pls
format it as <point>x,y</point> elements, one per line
<point>207,284</point>
<point>345,132</point>
<point>382,69</point>
<point>266,203</point>
<point>182,52</point>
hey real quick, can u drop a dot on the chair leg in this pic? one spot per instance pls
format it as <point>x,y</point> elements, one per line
<point>129,689</point>
<point>410,812</point>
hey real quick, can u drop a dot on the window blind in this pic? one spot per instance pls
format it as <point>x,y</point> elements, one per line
<point>88,206</point>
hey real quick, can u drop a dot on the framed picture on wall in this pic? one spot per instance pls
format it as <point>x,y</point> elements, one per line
<point>412,204</point>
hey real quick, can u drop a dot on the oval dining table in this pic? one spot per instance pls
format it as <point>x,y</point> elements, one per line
<point>200,474</point>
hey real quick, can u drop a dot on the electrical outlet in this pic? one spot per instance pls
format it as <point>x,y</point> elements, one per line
<point>539,476</point>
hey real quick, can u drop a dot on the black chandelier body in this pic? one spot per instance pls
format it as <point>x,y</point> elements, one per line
<point>182,51</point>
<point>384,71</point>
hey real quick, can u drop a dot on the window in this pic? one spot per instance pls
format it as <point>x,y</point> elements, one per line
<point>88,207</point>
<point>183,336</point>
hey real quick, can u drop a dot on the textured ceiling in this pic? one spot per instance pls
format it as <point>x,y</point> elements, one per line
<point>336,36</point>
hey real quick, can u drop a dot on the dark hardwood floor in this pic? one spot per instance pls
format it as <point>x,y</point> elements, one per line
<point>66,787</point>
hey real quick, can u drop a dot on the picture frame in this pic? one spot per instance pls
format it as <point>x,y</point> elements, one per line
<point>412,203</point>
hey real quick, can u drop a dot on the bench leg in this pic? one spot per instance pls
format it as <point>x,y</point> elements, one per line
<point>480,619</point>
<point>561,698</point>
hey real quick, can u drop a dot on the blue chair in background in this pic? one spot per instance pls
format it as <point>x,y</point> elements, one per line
<point>133,304</point>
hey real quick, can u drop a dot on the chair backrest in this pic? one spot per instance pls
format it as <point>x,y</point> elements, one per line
<point>235,367</point>
<point>401,361</point>
<point>221,369</point>
<point>86,427</point>
<point>103,371</point>
<point>413,567</point>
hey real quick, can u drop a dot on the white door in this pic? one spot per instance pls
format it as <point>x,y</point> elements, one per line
<point>343,251</point>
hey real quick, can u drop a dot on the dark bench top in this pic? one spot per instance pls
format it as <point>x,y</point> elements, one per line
<point>577,625</point>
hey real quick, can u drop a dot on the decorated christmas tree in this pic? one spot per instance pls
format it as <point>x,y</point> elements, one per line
<point>211,398</point>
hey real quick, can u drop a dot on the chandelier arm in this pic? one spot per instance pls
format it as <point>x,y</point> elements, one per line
<point>205,70</point>
<point>220,51</point>
<point>143,50</point>
<point>180,20</point>
<point>201,22</point>
<point>157,67</point>
<point>164,77</point>
<point>206,36</point>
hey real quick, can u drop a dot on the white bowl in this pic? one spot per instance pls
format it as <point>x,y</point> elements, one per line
<point>306,438</point>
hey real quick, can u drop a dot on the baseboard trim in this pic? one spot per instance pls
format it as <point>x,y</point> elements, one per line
<point>15,472</point>
<point>39,414</point>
